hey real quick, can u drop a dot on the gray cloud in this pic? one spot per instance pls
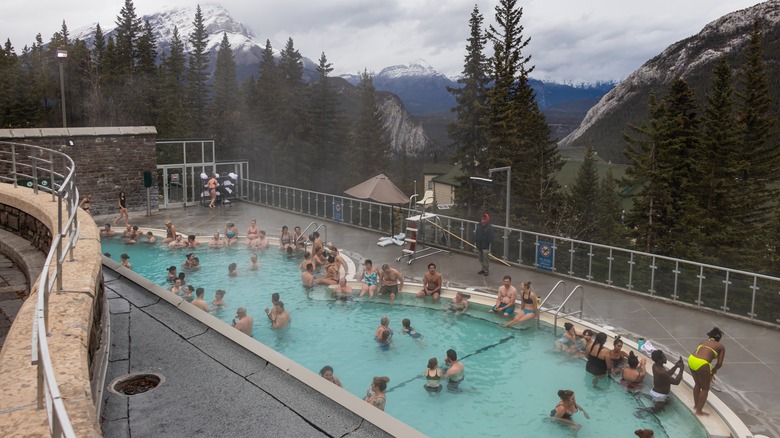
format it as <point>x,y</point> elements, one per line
<point>571,40</point>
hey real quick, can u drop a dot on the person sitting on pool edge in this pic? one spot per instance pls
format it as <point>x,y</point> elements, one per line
<point>370,279</point>
<point>432,283</point>
<point>231,234</point>
<point>633,375</point>
<point>327,371</point>
<point>199,302</point>
<point>505,300</point>
<point>170,232</point>
<point>459,304</point>
<point>455,373</point>
<point>409,330</point>
<point>530,309</point>
<point>392,282</point>
<point>244,323</point>
<point>252,232</point>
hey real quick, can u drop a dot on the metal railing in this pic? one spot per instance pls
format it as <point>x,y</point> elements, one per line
<point>729,291</point>
<point>556,311</point>
<point>27,163</point>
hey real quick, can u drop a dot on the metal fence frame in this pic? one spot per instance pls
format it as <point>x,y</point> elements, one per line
<point>53,172</point>
<point>728,291</point>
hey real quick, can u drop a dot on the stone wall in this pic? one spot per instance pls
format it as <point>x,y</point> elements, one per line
<point>27,226</point>
<point>109,160</point>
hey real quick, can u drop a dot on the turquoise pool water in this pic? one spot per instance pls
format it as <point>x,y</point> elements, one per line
<point>512,376</point>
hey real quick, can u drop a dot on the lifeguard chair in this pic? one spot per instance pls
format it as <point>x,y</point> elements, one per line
<point>416,228</point>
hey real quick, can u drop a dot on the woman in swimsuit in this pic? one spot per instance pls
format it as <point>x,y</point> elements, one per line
<point>122,201</point>
<point>218,302</point>
<point>327,373</point>
<point>212,186</point>
<point>376,395</point>
<point>370,279</point>
<point>566,408</point>
<point>530,309</point>
<point>170,232</point>
<point>172,275</point>
<point>252,232</point>
<point>85,203</point>
<point>634,374</point>
<point>599,362</point>
<point>433,376</point>
<point>700,363</point>
<point>285,239</point>
<point>616,355</point>
<point>566,342</point>
<point>230,233</point>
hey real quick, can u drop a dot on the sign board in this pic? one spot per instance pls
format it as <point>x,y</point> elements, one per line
<point>545,256</point>
<point>174,177</point>
<point>338,210</point>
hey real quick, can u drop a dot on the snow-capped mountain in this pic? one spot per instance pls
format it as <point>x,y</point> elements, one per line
<point>692,59</point>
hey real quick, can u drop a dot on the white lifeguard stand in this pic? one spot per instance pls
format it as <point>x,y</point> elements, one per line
<point>416,227</point>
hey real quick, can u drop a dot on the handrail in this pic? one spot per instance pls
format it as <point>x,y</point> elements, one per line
<point>557,312</point>
<point>303,233</point>
<point>24,156</point>
<point>325,239</point>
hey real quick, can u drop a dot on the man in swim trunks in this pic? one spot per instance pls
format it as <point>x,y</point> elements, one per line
<point>505,301</point>
<point>199,302</point>
<point>331,272</point>
<point>307,276</point>
<point>455,372</point>
<point>107,231</point>
<point>342,291</point>
<point>281,318</point>
<point>392,282</point>
<point>663,380</point>
<point>370,279</point>
<point>432,283</point>
<point>298,238</point>
<point>316,244</point>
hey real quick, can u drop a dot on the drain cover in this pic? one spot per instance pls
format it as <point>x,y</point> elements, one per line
<point>133,384</point>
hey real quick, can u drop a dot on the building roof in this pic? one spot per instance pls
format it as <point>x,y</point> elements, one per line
<point>76,132</point>
<point>450,178</point>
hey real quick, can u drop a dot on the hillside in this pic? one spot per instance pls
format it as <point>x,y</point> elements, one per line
<point>692,59</point>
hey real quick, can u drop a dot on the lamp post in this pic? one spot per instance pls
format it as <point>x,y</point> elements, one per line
<point>508,170</point>
<point>62,54</point>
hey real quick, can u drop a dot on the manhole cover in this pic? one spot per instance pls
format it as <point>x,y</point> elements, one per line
<point>133,384</point>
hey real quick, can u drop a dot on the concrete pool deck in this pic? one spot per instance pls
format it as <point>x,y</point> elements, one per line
<point>749,382</point>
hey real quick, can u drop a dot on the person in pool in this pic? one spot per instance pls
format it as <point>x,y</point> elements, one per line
<point>172,273</point>
<point>633,375</point>
<point>274,299</point>
<point>281,318</point>
<point>125,263</point>
<point>599,362</point>
<point>702,369</point>
<point>192,263</point>
<point>307,277</point>
<point>582,343</point>
<point>384,341</point>
<point>261,242</point>
<point>506,297</point>
<point>183,277</point>
<point>150,237</point>
<point>375,395</point>
<point>663,380</point>
<point>298,238</point>
<point>191,242</point>
<point>254,265</point>
<point>384,326</point>
<point>107,231</point>
<point>232,270</point>
<point>530,309</point>
<point>177,287</point>
<point>327,371</point>
<point>218,295</point>
<point>409,330</point>
<point>231,235</point>
<point>342,291</point>
<point>568,339</point>
<point>285,239</point>
<point>331,276</point>
<point>242,322</point>
<point>177,242</point>
<point>455,373</point>
<point>199,302</point>
<point>459,304</point>
<point>188,290</point>
<point>217,241</point>
<point>432,376</point>
<point>617,356</point>
<point>566,408</point>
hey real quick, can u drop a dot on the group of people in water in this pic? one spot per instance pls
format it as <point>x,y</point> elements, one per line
<point>601,362</point>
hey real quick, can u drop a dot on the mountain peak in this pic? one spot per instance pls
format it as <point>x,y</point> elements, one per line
<point>414,68</point>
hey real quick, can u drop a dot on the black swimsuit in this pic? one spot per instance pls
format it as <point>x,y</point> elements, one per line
<point>528,300</point>
<point>596,365</point>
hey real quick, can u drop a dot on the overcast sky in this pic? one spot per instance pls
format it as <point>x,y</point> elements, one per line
<point>571,40</point>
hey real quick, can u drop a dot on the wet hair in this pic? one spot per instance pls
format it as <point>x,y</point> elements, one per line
<point>406,323</point>
<point>135,227</point>
<point>171,268</point>
<point>232,267</point>
<point>433,363</point>
<point>506,277</point>
<point>656,355</point>
<point>200,291</point>
<point>368,262</point>
<point>601,338</point>
<point>191,237</point>
<point>326,368</point>
<point>568,326</point>
<point>182,275</point>
<point>452,355</point>
<point>149,233</point>
<point>644,433</point>
<point>385,335</point>
<point>385,320</point>
<point>431,264</point>
<point>588,332</point>
<point>289,250</point>
<point>633,361</point>
<point>331,259</point>
<point>715,334</point>
<point>565,394</point>
<point>617,341</point>
<point>275,297</point>
<point>190,255</point>
<point>124,256</point>
<point>309,267</point>
<point>280,304</point>
<point>219,293</point>
<point>307,255</point>
<point>381,382</point>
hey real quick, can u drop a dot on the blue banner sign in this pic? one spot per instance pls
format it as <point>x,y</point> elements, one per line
<point>545,256</point>
<point>338,210</point>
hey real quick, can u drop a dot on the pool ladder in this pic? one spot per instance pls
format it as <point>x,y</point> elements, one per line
<point>316,228</point>
<point>557,311</point>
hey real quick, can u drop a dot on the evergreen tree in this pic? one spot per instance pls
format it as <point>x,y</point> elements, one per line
<point>146,75</point>
<point>370,143</point>
<point>760,178</point>
<point>197,76</point>
<point>225,112</point>
<point>262,106</point>
<point>583,200</point>
<point>469,132</point>
<point>128,29</point>
<point>172,117</point>
<point>609,212</point>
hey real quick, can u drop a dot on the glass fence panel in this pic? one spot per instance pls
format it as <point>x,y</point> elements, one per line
<point>688,283</point>
<point>642,275</point>
<point>767,306</point>
<point>665,278</point>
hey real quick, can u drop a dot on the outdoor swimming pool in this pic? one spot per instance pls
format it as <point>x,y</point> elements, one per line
<point>512,376</point>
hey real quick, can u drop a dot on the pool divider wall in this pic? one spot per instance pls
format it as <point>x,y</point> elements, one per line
<point>378,418</point>
<point>73,324</point>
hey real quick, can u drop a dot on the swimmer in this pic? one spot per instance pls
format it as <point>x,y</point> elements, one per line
<point>150,237</point>
<point>566,408</point>
<point>188,290</point>
<point>384,341</point>
<point>331,272</point>
<point>459,304</point>
<point>254,265</point>
<point>261,242</point>
<point>199,302</point>
<point>177,286</point>
<point>242,322</point>
<point>274,300</point>
<point>375,396</point>
<point>182,277</point>
<point>370,279</point>
<point>455,372</point>
<point>133,236</point>
<point>599,362</point>
<point>339,260</point>
<point>232,270</point>
<point>342,291</point>
<point>432,376</point>
<point>506,297</point>
<point>432,283</point>
<point>567,340</point>
<point>172,273</point>
<point>218,295</point>
<point>281,318</point>
<point>307,277</point>
<point>633,376</point>
<point>409,330</point>
<point>191,242</point>
<point>217,241</point>
<point>617,356</point>
<point>306,260</point>
<point>125,262</point>
<point>384,326</point>
<point>177,243</point>
<point>327,371</point>
<point>192,263</point>
<point>107,231</point>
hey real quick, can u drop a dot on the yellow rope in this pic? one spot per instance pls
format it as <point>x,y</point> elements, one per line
<point>465,241</point>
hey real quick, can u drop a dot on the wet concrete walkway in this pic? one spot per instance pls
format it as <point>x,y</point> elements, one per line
<point>749,382</point>
<point>13,288</point>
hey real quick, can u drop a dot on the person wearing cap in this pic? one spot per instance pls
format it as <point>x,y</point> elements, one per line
<point>212,186</point>
<point>483,240</point>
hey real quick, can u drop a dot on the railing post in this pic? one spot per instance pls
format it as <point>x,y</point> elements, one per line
<point>51,174</point>
<point>34,164</point>
<point>58,264</point>
<point>13,165</point>
<point>726,283</point>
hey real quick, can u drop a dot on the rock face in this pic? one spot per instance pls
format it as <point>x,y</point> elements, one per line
<point>403,129</point>
<point>692,59</point>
